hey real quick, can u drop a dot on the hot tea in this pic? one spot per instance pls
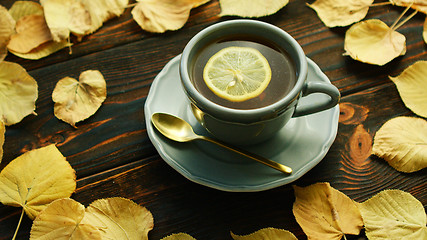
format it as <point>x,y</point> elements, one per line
<point>283,73</point>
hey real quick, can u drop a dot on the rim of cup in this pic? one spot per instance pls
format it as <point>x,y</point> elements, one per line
<point>244,26</point>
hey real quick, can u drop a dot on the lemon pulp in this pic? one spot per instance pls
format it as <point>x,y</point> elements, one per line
<point>237,73</point>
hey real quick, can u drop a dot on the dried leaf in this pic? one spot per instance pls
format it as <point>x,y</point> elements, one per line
<point>65,16</point>
<point>31,32</point>
<point>394,214</point>
<point>18,93</point>
<point>120,218</point>
<point>162,15</point>
<point>43,50</point>
<point>402,142</point>
<point>255,8</point>
<point>178,236</point>
<point>411,84</point>
<point>21,9</point>
<point>373,42</point>
<point>7,28</point>
<point>63,219</point>
<point>80,17</point>
<point>103,10</point>
<point>35,179</point>
<point>338,13</point>
<point>2,132</point>
<point>40,48</point>
<point>325,213</point>
<point>78,100</point>
<point>267,234</point>
<point>111,218</point>
<point>420,5</point>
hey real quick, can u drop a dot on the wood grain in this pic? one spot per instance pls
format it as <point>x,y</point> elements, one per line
<point>113,156</point>
<point>178,205</point>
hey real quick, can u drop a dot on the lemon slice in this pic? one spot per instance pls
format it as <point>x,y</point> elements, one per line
<point>237,73</point>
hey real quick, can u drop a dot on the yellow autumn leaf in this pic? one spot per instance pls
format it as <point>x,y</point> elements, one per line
<point>254,8</point>
<point>373,42</point>
<point>7,28</point>
<point>162,15</point>
<point>66,16</point>
<point>36,37</point>
<point>120,218</point>
<point>35,179</point>
<point>63,219</point>
<point>394,214</point>
<point>338,13</point>
<point>411,84</point>
<point>325,213</point>
<point>18,93</point>
<point>2,132</point>
<point>21,9</point>
<point>31,28</point>
<point>419,5</point>
<point>43,50</point>
<point>31,32</point>
<point>178,236</point>
<point>267,234</point>
<point>103,10</point>
<point>402,142</point>
<point>110,218</point>
<point>80,17</point>
<point>78,100</point>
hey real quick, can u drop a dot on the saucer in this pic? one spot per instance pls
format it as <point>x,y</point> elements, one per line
<point>301,144</point>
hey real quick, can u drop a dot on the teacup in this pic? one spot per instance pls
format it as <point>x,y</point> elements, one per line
<point>252,125</point>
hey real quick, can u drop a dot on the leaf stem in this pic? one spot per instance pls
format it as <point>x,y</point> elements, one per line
<point>406,19</point>
<point>70,51</point>
<point>393,26</point>
<point>379,4</point>
<point>372,5</point>
<point>19,224</point>
<point>131,5</point>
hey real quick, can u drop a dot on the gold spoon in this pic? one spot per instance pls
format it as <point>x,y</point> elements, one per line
<point>179,130</point>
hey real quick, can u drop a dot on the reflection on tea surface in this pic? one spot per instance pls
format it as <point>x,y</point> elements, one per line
<point>283,76</point>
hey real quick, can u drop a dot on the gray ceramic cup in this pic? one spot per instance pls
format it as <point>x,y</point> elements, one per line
<point>243,127</point>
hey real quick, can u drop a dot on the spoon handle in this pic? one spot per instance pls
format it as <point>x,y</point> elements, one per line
<point>268,162</point>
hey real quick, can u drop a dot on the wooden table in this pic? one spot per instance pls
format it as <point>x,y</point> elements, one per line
<point>113,156</point>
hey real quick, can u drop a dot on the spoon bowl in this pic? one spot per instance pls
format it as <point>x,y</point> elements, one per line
<point>179,130</point>
<point>173,127</point>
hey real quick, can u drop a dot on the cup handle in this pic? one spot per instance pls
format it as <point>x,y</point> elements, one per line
<point>317,87</point>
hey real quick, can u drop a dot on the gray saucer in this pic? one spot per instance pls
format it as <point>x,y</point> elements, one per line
<point>301,144</point>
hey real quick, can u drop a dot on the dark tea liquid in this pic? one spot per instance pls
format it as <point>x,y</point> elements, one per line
<point>283,75</point>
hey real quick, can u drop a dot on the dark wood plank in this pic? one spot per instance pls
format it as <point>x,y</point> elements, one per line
<point>179,205</point>
<point>129,70</point>
<point>113,156</point>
